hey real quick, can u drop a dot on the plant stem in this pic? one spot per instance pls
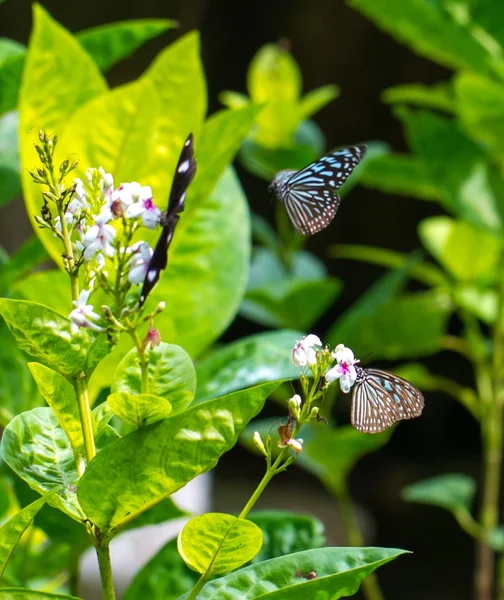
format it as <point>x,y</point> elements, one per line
<point>197,588</point>
<point>86,418</point>
<point>143,360</point>
<point>103,554</point>
<point>370,585</point>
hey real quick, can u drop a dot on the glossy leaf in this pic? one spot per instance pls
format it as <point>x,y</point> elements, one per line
<point>27,594</point>
<point>247,362</point>
<point>139,410</point>
<point>168,454</point>
<point>466,181</point>
<point>286,532</point>
<point>60,396</point>
<point>13,529</point>
<point>216,543</point>
<point>480,105</point>
<point>336,451</point>
<point>439,96</point>
<point>399,174</point>
<point>432,30</point>
<point>64,85</point>
<point>37,449</point>
<point>408,326</point>
<point>466,252</point>
<point>108,44</point>
<point>171,375</point>
<point>452,491</point>
<point>377,295</point>
<point>340,572</point>
<point>10,183</point>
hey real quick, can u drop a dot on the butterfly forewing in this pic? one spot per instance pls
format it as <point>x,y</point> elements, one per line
<point>184,174</point>
<point>380,399</point>
<point>310,195</point>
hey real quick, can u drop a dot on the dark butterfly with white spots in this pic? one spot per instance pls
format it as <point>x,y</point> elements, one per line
<point>310,195</point>
<point>379,399</point>
<point>184,174</point>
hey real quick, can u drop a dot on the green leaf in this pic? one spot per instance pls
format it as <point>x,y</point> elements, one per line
<point>53,284</point>
<point>27,594</point>
<point>18,391</point>
<point>10,183</point>
<point>52,90</point>
<point>37,449</point>
<point>9,48</point>
<point>217,543</point>
<point>178,75</point>
<point>466,180</point>
<point>11,73</point>
<point>466,252</point>
<point>168,454</point>
<point>482,303</point>
<point>164,577</point>
<point>433,30</point>
<point>273,76</point>
<point>377,295</point>
<point>247,362</point>
<point>291,303</point>
<point>171,375</point>
<point>315,100</point>
<point>439,96</point>
<point>340,572</point>
<point>220,140</point>
<point>336,451</point>
<point>46,335</point>
<point>233,100</point>
<point>480,104</point>
<point>399,174</point>
<point>408,326</point>
<point>11,532</point>
<point>60,396</point>
<point>451,491</point>
<point>108,44</point>
<point>29,255</point>
<point>286,532</point>
<point>139,410</point>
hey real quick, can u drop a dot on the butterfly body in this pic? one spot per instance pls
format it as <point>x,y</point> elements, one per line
<point>379,399</point>
<point>184,174</point>
<point>310,195</point>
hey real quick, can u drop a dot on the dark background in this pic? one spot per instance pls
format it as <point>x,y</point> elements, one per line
<point>332,44</point>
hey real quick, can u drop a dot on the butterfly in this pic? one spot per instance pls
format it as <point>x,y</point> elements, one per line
<point>309,195</point>
<point>184,174</point>
<point>379,399</point>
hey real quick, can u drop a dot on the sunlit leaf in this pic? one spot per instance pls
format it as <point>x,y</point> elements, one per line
<point>216,543</point>
<point>139,409</point>
<point>439,96</point>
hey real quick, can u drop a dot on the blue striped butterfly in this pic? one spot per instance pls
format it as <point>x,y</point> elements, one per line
<point>310,195</point>
<point>379,399</point>
<point>184,174</point>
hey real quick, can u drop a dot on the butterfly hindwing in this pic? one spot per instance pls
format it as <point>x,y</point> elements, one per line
<point>184,174</point>
<point>310,195</point>
<point>380,399</point>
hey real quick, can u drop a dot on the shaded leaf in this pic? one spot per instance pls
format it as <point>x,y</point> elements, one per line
<point>10,183</point>
<point>439,96</point>
<point>31,254</point>
<point>139,409</point>
<point>216,543</point>
<point>246,362</point>
<point>451,491</point>
<point>27,594</point>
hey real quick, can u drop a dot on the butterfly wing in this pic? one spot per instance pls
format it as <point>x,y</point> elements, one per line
<point>310,195</point>
<point>380,399</point>
<point>184,174</point>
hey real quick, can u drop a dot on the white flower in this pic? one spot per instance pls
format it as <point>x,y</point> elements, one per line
<point>83,314</point>
<point>296,445</point>
<point>145,208</point>
<point>142,253</point>
<point>259,443</point>
<point>125,195</point>
<point>99,236</point>
<point>80,191</point>
<point>294,405</point>
<point>344,369</point>
<point>303,353</point>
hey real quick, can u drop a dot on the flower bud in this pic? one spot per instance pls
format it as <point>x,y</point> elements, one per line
<point>259,443</point>
<point>294,405</point>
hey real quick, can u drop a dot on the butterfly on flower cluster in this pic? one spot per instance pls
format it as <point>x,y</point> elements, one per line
<point>310,195</point>
<point>184,174</point>
<point>379,399</point>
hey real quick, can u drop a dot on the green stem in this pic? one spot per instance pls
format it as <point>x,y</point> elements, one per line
<point>86,418</point>
<point>142,359</point>
<point>370,585</point>
<point>103,554</point>
<point>197,588</point>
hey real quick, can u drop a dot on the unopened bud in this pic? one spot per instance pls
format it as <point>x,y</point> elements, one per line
<point>314,413</point>
<point>42,136</point>
<point>64,166</point>
<point>259,443</point>
<point>294,405</point>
